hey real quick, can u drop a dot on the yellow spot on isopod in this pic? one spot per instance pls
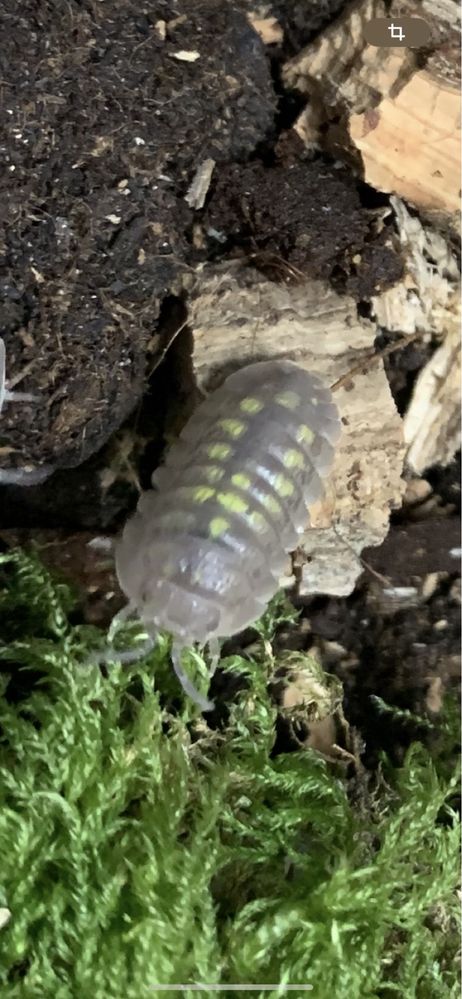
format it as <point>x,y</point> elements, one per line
<point>232,502</point>
<point>251,405</point>
<point>290,400</point>
<point>235,428</point>
<point>304,434</point>
<point>218,526</point>
<point>294,459</point>
<point>219,452</point>
<point>202,493</point>
<point>283,486</point>
<point>271,503</point>
<point>257,521</point>
<point>241,481</point>
<point>213,473</point>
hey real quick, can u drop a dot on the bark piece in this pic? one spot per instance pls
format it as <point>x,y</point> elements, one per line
<point>237,316</point>
<point>427,299</point>
<point>338,68</point>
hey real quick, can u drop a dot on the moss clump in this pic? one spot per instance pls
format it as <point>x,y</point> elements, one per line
<point>140,847</point>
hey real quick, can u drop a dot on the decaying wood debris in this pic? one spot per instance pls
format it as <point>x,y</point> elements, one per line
<point>237,316</point>
<point>268,28</point>
<point>427,297</point>
<point>399,123</point>
<point>197,192</point>
<point>432,421</point>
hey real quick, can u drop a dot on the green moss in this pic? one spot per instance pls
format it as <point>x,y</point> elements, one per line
<point>138,846</point>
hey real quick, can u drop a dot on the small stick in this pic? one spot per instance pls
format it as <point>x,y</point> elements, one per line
<point>164,350</point>
<point>377,575</point>
<point>370,358</point>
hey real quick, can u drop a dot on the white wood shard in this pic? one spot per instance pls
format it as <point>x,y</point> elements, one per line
<point>238,316</point>
<point>427,297</point>
<point>198,189</point>
<point>432,421</point>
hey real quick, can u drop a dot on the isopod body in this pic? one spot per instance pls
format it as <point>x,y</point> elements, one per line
<point>205,550</point>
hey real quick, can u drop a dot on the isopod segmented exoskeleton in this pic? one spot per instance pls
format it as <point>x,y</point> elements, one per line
<point>204,552</point>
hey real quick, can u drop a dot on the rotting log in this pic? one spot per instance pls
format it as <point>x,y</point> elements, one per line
<point>237,316</point>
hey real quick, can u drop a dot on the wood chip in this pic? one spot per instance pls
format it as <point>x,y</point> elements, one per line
<point>268,28</point>
<point>186,56</point>
<point>197,192</point>
<point>410,143</point>
<point>417,490</point>
<point>160,29</point>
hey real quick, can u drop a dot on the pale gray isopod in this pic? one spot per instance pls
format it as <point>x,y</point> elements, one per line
<point>204,551</point>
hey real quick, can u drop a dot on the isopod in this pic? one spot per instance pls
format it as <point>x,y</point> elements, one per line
<point>204,551</point>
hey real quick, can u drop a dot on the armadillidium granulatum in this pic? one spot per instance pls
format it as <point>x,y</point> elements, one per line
<point>204,552</point>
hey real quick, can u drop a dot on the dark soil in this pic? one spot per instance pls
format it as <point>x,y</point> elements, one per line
<point>103,131</point>
<point>307,214</point>
<point>406,655</point>
<point>303,20</point>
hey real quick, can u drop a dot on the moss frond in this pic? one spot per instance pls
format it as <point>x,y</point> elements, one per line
<point>139,846</point>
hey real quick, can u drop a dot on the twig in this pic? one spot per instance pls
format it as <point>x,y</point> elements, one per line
<point>163,352</point>
<point>368,568</point>
<point>371,358</point>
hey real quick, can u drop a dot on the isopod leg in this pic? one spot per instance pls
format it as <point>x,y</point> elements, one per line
<point>129,655</point>
<point>126,657</point>
<point>186,683</point>
<point>132,655</point>
<point>214,653</point>
<point>120,618</point>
